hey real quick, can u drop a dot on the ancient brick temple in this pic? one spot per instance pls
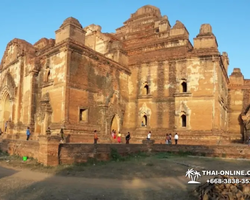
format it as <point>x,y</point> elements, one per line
<point>146,76</point>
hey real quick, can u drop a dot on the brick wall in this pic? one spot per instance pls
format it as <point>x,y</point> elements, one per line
<point>20,147</point>
<point>77,153</point>
<point>46,150</point>
<point>228,151</point>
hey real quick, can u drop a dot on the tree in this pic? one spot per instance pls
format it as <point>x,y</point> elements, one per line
<point>196,175</point>
<point>190,174</point>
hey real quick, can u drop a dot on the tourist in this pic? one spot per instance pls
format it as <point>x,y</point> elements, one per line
<point>113,133</point>
<point>167,139</point>
<point>249,141</point>
<point>149,135</point>
<point>142,124</point>
<point>62,135</point>
<point>128,138</point>
<point>170,138</point>
<point>6,125</point>
<point>95,137</point>
<point>1,131</point>
<point>48,132</point>
<point>28,133</point>
<point>119,138</point>
<point>176,137</point>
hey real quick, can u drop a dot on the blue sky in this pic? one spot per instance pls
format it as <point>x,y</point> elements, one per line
<point>31,20</point>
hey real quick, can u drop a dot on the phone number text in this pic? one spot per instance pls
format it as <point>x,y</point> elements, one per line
<point>228,181</point>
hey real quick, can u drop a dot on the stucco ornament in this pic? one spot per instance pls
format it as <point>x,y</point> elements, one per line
<point>144,110</point>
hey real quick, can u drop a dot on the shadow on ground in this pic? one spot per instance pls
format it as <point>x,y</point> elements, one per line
<point>141,176</point>
<point>137,178</point>
<point>6,172</point>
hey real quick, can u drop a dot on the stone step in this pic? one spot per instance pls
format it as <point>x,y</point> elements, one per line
<point>138,138</point>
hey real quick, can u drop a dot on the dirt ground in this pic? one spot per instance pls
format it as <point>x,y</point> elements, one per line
<point>139,177</point>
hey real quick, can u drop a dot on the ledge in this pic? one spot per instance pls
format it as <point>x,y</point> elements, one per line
<point>47,84</point>
<point>149,96</point>
<point>184,94</point>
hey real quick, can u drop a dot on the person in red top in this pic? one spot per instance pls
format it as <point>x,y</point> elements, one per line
<point>119,137</point>
<point>95,137</point>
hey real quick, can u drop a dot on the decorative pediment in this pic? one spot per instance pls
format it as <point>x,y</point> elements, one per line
<point>14,49</point>
<point>144,110</point>
<point>7,91</point>
<point>7,87</point>
<point>8,80</point>
<point>183,109</point>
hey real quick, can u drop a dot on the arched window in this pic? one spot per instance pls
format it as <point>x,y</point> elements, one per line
<point>47,75</point>
<point>144,120</point>
<point>146,89</point>
<point>184,86</point>
<point>183,120</point>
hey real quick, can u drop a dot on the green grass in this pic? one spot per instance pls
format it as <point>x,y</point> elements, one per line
<point>3,153</point>
<point>115,156</point>
<point>224,155</point>
<point>184,154</point>
<point>162,155</point>
<point>203,154</point>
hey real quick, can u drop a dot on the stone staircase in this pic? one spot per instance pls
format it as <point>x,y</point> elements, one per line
<point>86,138</point>
<point>141,134</point>
<point>189,139</point>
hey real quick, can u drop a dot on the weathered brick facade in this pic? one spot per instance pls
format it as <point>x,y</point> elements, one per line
<point>147,71</point>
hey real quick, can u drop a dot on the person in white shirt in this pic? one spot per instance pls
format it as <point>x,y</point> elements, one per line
<point>149,135</point>
<point>176,137</point>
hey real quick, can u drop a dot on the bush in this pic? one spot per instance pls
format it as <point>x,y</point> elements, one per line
<point>162,155</point>
<point>115,155</point>
<point>184,153</point>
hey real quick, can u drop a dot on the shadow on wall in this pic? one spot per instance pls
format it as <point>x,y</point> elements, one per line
<point>242,129</point>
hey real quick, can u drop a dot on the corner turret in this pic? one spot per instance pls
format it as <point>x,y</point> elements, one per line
<point>236,78</point>
<point>205,39</point>
<point>71,29</point>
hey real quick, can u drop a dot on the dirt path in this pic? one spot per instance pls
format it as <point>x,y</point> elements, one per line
<point>156,177</point>
<point>30,185</point>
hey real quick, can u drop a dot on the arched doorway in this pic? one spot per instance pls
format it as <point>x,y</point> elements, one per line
<point>6,110</point>
<point>183,86</point>
<point>115,123</point>
<point>145,120</point>
<point>146,89</point>
<point>183,120</point>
